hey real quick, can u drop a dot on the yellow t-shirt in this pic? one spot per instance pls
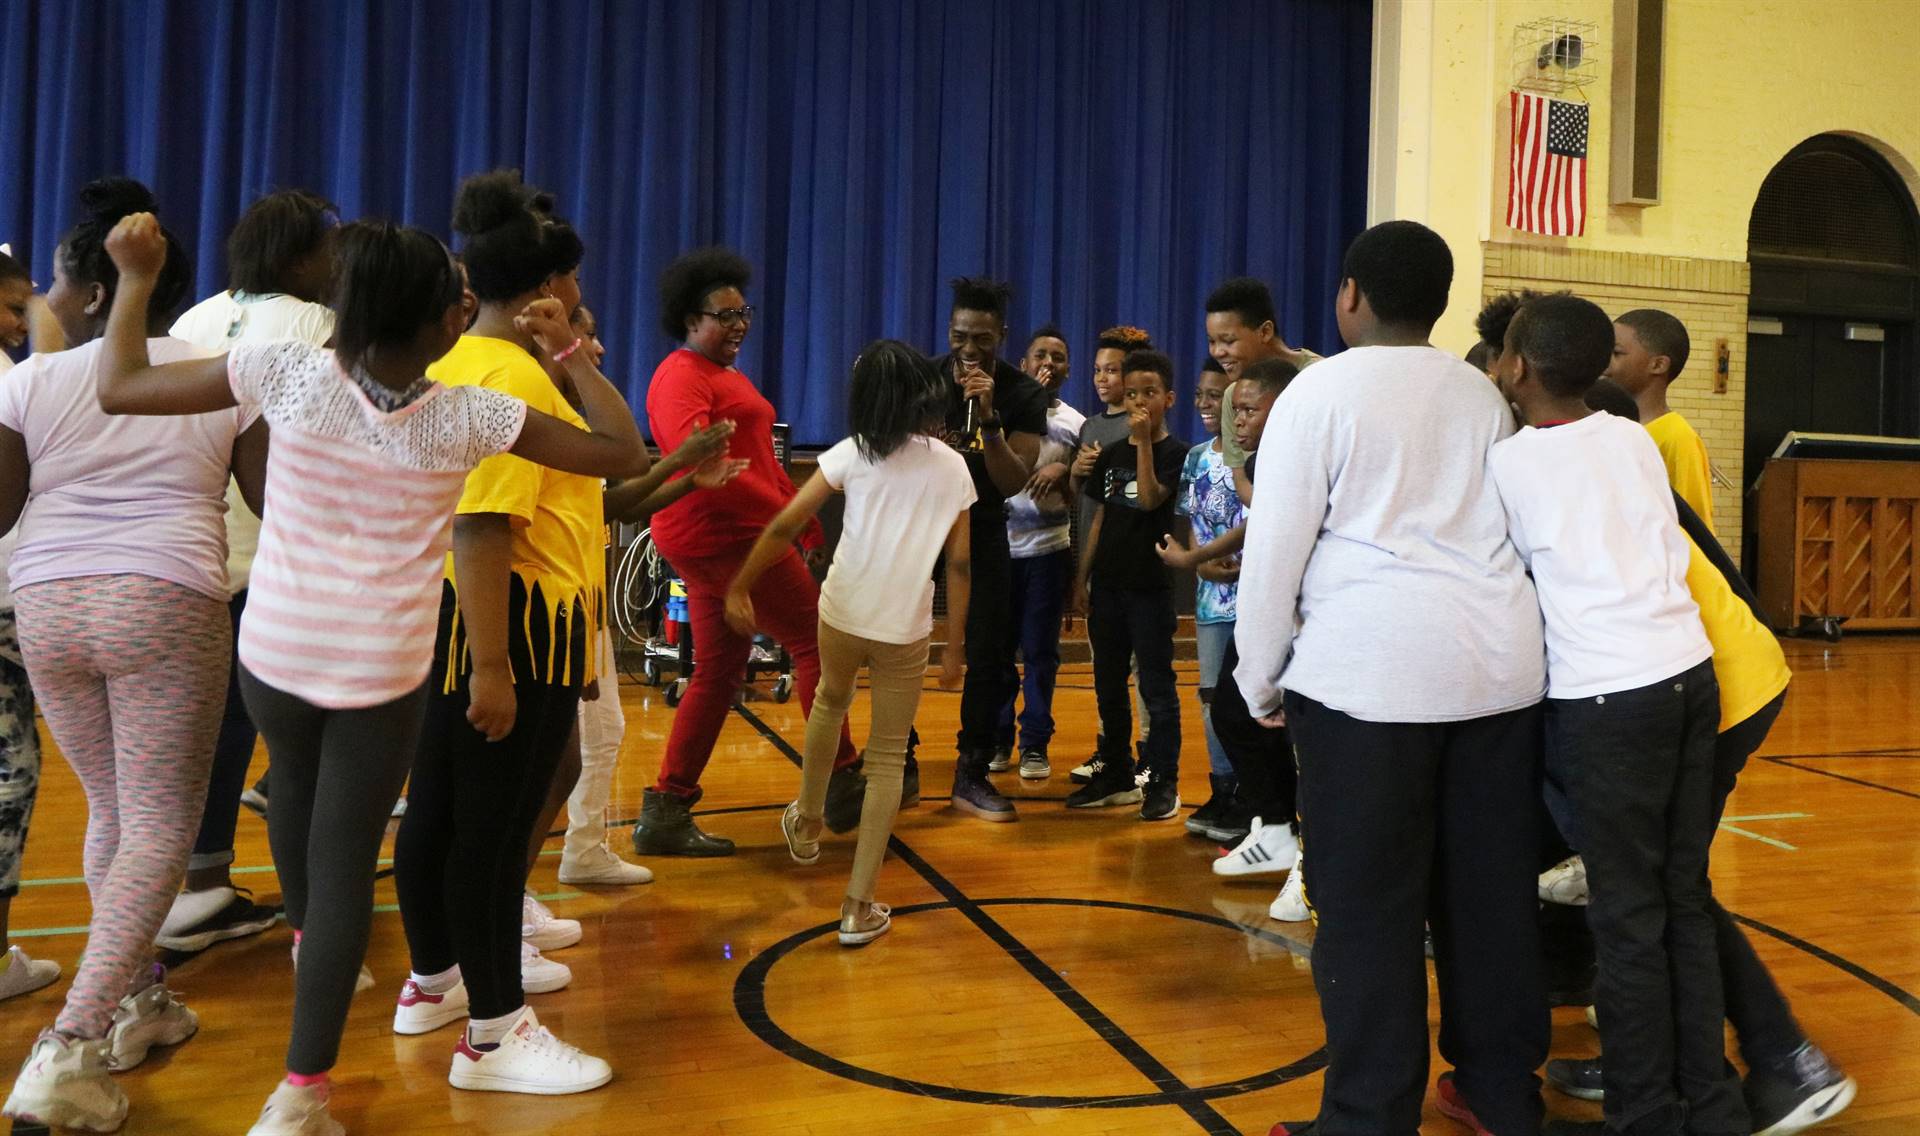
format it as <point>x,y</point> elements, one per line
<point>559,524</point>
<point>1747,659</point>
<point>1686,458</point>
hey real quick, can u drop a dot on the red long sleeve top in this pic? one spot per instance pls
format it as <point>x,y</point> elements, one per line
<point>689,391</point>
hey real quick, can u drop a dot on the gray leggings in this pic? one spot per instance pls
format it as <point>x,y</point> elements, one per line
<point>336,774</point>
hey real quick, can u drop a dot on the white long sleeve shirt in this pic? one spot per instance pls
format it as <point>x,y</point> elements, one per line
<point>1377,577</point>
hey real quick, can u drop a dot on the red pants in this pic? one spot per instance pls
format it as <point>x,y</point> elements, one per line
<point>785,602</point>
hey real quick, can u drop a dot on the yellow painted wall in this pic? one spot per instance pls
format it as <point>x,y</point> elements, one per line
<point>1745,81</point>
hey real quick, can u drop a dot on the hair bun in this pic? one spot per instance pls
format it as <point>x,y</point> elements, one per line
<point>491,201</point>
<point>112,198</point>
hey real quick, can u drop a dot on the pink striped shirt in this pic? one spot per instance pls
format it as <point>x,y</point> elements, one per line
<point>345,594</point>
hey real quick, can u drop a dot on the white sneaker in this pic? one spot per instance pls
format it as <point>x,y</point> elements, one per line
<point>1290,906</point>
<point>65,1084</point>
<point>1565,883</point>
<point>24,975</point>
<point>542,930</point>
<point>420,1012</point>
<point>1593,1017</point>
<point>602,865</point>
<point>540,974</point>
<point>528,1059</point>
<point>1267,848</point>
<point>153,1017</point>
<point>297,1110</point>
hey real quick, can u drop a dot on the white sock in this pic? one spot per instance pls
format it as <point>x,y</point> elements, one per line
<point>489,1031</point>
<point>437,983</point>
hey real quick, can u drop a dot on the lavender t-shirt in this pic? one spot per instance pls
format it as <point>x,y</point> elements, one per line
<point>114,494</point>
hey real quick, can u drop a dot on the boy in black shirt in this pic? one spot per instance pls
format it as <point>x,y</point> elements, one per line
<point>1127,594</point>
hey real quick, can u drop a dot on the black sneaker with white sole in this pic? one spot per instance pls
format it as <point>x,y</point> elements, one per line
<point>1112,783</point>
<point>239,917</point>
<point>1577,1077</point>
<point>1159,796</point>
<point>1083,772</point>
<point>1002,759</point>
<point>1809,1091</point>
<point>256,797</point>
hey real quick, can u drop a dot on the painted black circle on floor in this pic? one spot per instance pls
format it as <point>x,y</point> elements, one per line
<point>750,1002</point>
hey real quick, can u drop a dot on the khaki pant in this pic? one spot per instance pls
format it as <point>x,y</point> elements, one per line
<point>896,671</point>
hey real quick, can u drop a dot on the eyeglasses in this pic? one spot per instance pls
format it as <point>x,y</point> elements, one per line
<point>732,317</point>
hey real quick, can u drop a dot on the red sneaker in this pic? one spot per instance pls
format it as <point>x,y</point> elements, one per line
<point>1453,1106</point>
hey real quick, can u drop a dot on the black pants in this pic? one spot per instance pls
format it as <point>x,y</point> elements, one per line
<point>1133,624</point>
<point>1262,758</point>
<point>460,861</point>
<point>991,638</point>
<point>1412,824</point>
<point>232,755</point>
<point>1637,770</point>
<point>335,776</point>
<point>1762,1021</point>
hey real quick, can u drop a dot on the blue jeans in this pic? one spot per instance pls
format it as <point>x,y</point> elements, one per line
<point>1210,642</point>
<point>1038,600</point>
<point>1124,624</point>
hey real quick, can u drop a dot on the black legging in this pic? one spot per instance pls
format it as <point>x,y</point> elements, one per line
<point>1262,757</point>
<point>336,774</point>
<point>460,861</point>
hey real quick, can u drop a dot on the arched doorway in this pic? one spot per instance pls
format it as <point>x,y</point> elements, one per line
<point>1834,244</point>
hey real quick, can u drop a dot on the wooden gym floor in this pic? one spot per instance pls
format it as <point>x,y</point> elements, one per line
<point>1072,973</point>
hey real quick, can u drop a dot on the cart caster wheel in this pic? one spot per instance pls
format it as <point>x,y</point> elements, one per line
<point>676,691</point>
<point>649,674</point>
<point>783,688</point>
<point>1830,630</point>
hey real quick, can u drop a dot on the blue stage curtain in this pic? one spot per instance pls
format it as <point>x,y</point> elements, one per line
<point>1112,159</point>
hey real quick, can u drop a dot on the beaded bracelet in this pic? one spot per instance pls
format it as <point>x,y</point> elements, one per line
<point>563,356</point>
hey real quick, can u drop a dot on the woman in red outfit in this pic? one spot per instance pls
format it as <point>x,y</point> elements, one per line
<point>706,536</point>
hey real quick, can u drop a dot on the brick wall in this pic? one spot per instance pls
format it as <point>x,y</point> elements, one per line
<point>1709,296</point>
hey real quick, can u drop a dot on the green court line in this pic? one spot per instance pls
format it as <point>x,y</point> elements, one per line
<point>379,909</point>
<point>1781,844</point>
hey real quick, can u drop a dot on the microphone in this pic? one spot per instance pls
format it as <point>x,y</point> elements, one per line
<point>973,407</point>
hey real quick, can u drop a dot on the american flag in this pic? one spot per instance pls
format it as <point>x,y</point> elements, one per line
<point>1547,181</point>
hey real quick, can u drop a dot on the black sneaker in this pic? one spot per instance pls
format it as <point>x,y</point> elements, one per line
<point>1204,816</point>
<point>240,917</point>
<point>1112,783</point>
<point>1083,772</point>
<point>846,793</point>
<point>1809,1091</point>
<point>910,782</point>
<point>256,797</point>
<point>1232,823</point>
<point>975,795</point>
<point>1159,796</point>
<point>1578,1078</point>
<point>1002,759</point>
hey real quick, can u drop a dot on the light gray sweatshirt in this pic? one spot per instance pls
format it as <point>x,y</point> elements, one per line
<point>1377,577</point>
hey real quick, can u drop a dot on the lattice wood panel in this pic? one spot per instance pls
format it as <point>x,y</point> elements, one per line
<point>1857,558</point>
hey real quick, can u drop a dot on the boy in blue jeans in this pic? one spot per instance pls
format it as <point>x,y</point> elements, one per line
<point>1632,712</point>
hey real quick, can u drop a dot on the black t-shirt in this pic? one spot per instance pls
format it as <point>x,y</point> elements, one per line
<point>1021,405</point>
<point>1126,556</point>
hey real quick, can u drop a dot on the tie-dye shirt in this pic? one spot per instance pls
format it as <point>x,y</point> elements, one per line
<point>1209,501</point>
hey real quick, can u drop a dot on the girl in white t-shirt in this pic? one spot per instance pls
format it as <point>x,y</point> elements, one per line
<point>368,460</point>
<point>907,500</point>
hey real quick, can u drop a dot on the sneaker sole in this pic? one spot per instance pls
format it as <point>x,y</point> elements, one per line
<point>546,986</point>
<point>606,879</point>
<point>862,938</point>
<point>483,1084</point>
<point>189,944</point>
<point>554,942</point>
<point>1035,774</point>
<point>1005,816</point>
<point>1081,778</point>
<point>255,803</point>
<point>1304,916</point>
<point>1124,797</point>
<point>59,1114</point>
<point>1229,837</point>
<point>643,849</point>
<point>1595,1095</point>
<point>1168,815</point>
<point>174,1035</point>
<point>1815,1110</point>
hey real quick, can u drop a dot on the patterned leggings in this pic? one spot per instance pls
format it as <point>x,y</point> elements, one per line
<point>19,758</point>
<point>131,673</point>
